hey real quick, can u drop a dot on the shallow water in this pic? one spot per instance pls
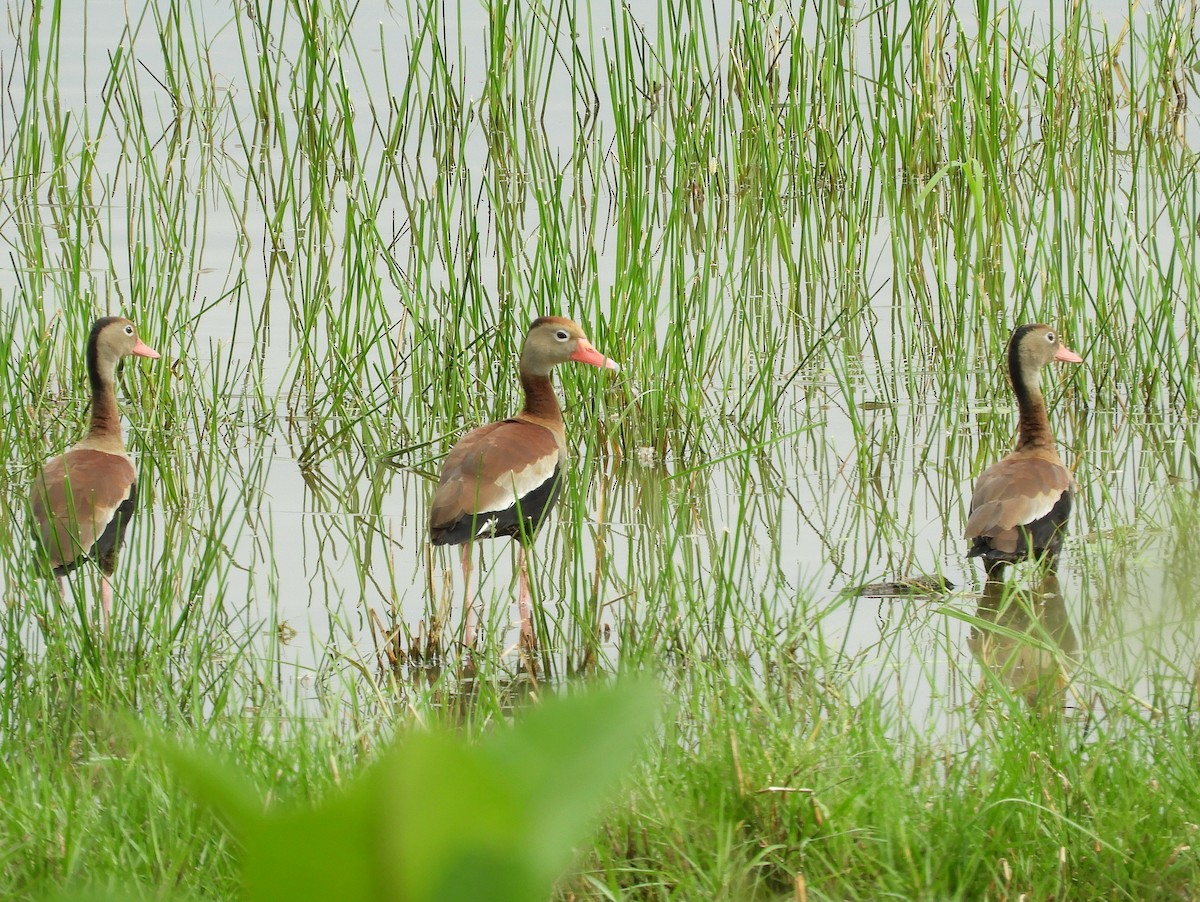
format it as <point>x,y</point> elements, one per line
<point>860,471</point>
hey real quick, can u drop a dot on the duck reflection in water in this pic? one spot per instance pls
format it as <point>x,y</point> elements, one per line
<point>1033,645</point>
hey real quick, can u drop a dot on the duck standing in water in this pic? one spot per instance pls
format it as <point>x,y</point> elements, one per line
<point>82,500</point>
<point>503,478</point>
<point>1021,503</point>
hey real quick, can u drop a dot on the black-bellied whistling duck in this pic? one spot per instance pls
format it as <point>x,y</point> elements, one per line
<point>83,500</point>
<point>1021,503</point>
<point>501,479</point>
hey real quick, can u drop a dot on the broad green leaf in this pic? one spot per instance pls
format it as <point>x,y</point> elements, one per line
<point>330,851</point>
<point>214,782</point>
<point>566,756</point>
<point>503,824</point>
<point>437,817</point>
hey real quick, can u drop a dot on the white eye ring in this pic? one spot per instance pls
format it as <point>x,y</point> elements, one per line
<point>562,335</point>
<point>1050,337</point>
<point>129,330</point>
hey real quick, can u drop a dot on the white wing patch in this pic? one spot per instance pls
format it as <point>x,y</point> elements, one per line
<point>512,485</point>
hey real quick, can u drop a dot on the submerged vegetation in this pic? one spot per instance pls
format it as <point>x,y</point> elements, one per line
<point>807,232</point>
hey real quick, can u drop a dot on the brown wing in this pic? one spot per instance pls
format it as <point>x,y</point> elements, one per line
<point>1014,492</point>
<point>491,468</point>
<point>74,499</point>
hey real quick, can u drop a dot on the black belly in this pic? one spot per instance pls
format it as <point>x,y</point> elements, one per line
<point>1042,536</point>
<point>520,521</point>
<point>104,551</point>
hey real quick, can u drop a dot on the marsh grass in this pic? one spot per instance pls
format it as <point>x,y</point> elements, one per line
<point>805,232</point>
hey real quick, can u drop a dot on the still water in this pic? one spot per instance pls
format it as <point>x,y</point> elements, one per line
<point>863,475</point>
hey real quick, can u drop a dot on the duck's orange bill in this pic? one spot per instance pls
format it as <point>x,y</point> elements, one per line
<point>1066,355</point>
<point>141,349</point>
<point>585,353</point>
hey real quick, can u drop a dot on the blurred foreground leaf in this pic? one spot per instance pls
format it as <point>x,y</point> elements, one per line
<point>438,817</point>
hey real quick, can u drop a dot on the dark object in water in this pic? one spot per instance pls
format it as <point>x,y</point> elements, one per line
<point>908,586</point>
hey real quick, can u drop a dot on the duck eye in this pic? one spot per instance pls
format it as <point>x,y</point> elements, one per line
<point>129,330</point>
<point>562,335</point>
<point>1051,337</point>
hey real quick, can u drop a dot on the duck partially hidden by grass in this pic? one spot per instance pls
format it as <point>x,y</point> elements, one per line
<point>503,478</point>
<point>1021,503</point>
<point>82,500</point>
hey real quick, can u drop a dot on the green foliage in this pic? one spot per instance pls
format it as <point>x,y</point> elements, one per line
<point>437,817</point>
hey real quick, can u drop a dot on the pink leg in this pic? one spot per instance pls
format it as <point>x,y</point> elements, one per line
<point>524,600</point>
<point>469,613</point>
<point>105,597</point>
<point>62,586</point>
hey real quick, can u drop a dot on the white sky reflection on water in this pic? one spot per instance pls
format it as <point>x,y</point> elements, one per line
<point>824,512</point>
